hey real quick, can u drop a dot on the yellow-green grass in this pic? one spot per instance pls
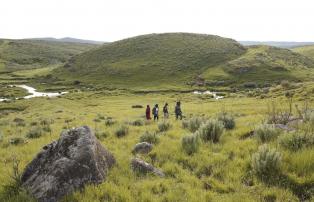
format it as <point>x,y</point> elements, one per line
<point>214,173</point>
<point>305,50</point>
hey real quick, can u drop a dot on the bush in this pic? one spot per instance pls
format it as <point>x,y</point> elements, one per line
<point>227,120</point>
<point>109,122</point>
<point>190,144</point>
<point>34,133</point>
<point>296,141</point>
<point>266,162</point>
<point>123,130</point>
<point>101,135</point>
<point>16,141</point>
<point>266,132</point>
<point>138,122</point>
<point>1,137</point>
<point>149,137</point>
<point>193,124</point>
<point>164,126</point>
<point>211,131</point>
<point>250,85</point>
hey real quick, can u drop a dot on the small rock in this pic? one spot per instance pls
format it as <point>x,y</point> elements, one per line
<point>141,166</point>
<point>67,164</point>
<point>143,148</point>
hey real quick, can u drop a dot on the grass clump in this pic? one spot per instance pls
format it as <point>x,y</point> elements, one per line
<point>122,130</point>
<point>109,122</point>
<point>101,135</point>
<point>138,122</point>
<point>227,120</point>
<point>190,144</point>
<point>149,137</point>
<point>296,141</point>
<point>266,132</point>
<point>34,133</point>
<point>164,126</point>
<point>16,140</point>
<point>266,162</point>
<point>211,131</point>
<point>193,124</point>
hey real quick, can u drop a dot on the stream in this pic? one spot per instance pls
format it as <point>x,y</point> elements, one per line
<point>33,93</point>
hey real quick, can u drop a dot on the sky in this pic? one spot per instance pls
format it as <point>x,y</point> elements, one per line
<point>111,20</point>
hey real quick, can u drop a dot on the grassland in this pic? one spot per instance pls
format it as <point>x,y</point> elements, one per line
<point>181,60</point>
<point>30,54</point>
<point>217,172</point>
<point>305,50</point>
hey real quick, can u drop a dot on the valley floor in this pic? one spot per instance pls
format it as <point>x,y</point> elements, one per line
<point>217,172</point>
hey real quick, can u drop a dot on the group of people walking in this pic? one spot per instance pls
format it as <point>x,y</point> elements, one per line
<point>165,110</point>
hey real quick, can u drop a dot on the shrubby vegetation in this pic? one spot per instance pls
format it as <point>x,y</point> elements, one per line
<point>190,143</point>
<point>266,162</point>
<point>164,126</point>
<point>211,131</point>
<point>297,140</point>
<point>227,120</point>
<point>266,132</point>
<point>193,123</point>
<point>150,137</point>
<point>122,130</point>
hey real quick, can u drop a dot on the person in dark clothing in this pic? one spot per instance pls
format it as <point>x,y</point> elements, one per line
<point>156,112</point>
<point>148,113</point>
<point>165,111</point>
<point>178,111</point>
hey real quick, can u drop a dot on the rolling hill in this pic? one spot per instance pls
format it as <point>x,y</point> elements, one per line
<point>306,50</point>
<point>176,60</point>
<point>279,44</point>
<point>29,54</point>
<point>68,40</point>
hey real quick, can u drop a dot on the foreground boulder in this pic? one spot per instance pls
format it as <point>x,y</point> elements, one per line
<point>67,164</point>
<point>143,148</point>
<point>142,167</point>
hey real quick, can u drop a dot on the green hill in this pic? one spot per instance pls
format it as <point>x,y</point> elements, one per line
<point>29,54</point>
<point>176,60</point>
<point>305,50</point>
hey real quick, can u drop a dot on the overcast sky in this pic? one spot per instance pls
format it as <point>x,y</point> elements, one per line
<point>110,20</point>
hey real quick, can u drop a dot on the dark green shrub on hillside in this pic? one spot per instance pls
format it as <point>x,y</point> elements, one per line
<point>211,131</point>
<point>266,132</point>
<point>149,137</point>
<point>16,141</point>
<point>164,126</point>
<point>193,123</point>
<point>296,141</point>
<point>266,163</point>
<point>190,144</point>
<point>123,130</point>
<point>109,122</point>
<point>227,120</point>
<point>250,85</point>
<point>101,135</point>
<point>34,133</point>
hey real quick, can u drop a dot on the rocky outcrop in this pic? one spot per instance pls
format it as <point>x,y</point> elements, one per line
<point>143,148</point>
<point>142,167</point>
<point>67,164</point>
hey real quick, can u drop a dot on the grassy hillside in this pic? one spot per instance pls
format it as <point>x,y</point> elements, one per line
<point>305,50</point>
<point>179,60</point>
<point>28,54</point>
<point>152,60</point>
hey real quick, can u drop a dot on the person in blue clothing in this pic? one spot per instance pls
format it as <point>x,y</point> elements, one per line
<point>156,112</point>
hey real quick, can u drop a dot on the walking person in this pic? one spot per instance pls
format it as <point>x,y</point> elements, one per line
<point>148,113</point>
<point>156,112</point>
<point>178,111</point>
<point>165,111</point>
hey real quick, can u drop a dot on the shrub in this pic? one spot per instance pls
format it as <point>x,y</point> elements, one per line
<point>211,131</point>
<point>47,128</point>
<point>123,130</point>
<point>109,122</point>
<point>227,120</point>
<point>19,122</point>
<point>138,122</point>
<point>1,137</point>
<point>33,123</point>
<point>34,133</point>
<point>149,137</point>
<point>101,135</point>
<point>190,144</point>
<point>193,124</point>
<point>16,141</point>
<point>296,141</point>
<point>266,162</point>
<point>266,132</point>
<point>250,85</point>
<point>164,126</point>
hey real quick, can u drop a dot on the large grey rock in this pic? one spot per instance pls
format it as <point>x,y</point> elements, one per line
<point>142,167</point>
<point>67,164</point>
<point>143,148</point>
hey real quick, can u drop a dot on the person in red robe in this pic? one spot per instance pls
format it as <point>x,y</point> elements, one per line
<point>148,113</point>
